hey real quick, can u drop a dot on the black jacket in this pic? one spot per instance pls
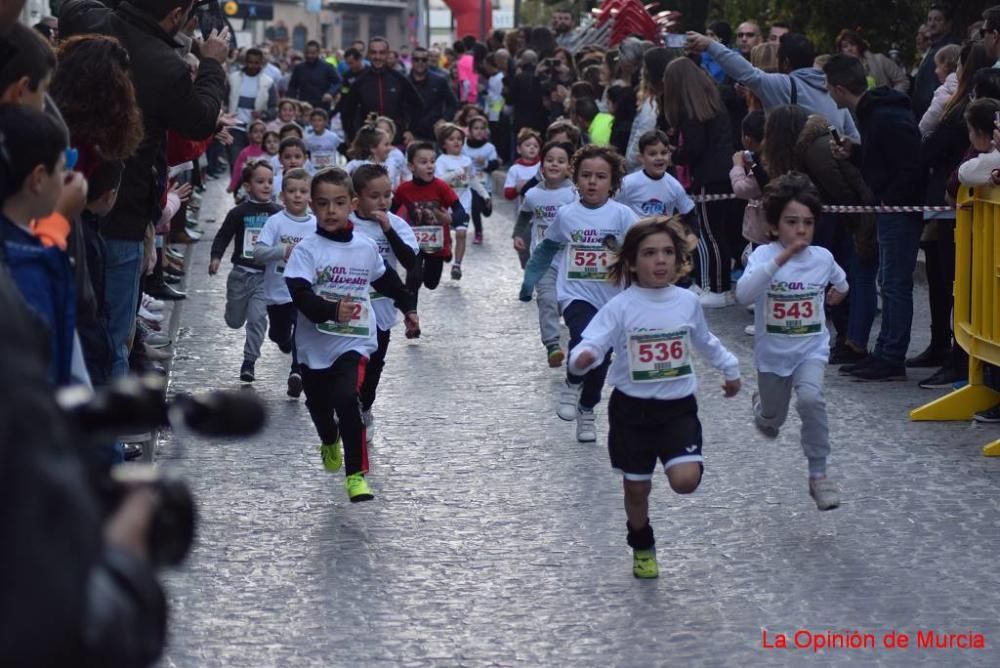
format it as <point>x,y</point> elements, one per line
<point>941,153</point>
<point>311,81</point>
<point>383,91</point>
<point>167,97</point>
<point>890,147</point>
<point>439,102</point>
<point>525,96</point>
<point>926,82</point>
<point>707,150</point>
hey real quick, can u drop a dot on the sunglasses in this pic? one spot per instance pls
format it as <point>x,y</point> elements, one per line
<point>983,32</point>
<point>746,34</point>
<point>420,60</point>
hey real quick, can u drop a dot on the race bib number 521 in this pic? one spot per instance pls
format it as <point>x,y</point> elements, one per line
<point>587,262</point>
<point>659,355</point>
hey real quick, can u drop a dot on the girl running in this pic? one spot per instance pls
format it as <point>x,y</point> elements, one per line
<point>395,162</point>
<point>254,149</point>
<point>652,414</point>
<point>541,204</point>
<point>330,275</point>
<point>588,231</point>
<point>524,169</point>
<point>485,160</point>
<point>397,245</point>
<point>787,282</point>
<point>371,146</point>
<point>456,170</point>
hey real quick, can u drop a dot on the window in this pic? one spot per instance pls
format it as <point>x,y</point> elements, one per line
<point>350,31</point>
<point>299,36</point>
<point>376,25</point>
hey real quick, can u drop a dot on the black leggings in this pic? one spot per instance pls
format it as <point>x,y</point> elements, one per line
<point>373,370</point>
<point>477,212</point>
<point>334,391</point>
<point>281,329</point>
<point>426,271</point>
<point>940,264</point>
<point>718,222</point>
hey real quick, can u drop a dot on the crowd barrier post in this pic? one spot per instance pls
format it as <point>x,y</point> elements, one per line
<point>977,307</point>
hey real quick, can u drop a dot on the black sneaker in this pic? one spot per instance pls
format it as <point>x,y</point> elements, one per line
<point>172,270</point>
<point>990,415</point>
<point>945,377</point>
<point>456,272</point>
<point>932,357</point>
<point>294,385</point>
<point>246,371</point>
<point>132,451</point>
<point>857,366</point>
<point>880,369</point>
<point>845,353</point>
<point>157,288</point>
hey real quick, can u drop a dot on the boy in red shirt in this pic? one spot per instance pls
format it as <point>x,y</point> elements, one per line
<point>431,207</point>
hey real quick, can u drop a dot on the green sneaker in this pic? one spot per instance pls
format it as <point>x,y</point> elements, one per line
<point>357,488</point>
<point>332,457</point>
<point>644,564</point>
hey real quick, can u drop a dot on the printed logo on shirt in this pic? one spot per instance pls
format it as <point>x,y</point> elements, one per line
<point>252,225</point>
<point>546,212</point>
<point>423,213</point>
<point>653,207</point>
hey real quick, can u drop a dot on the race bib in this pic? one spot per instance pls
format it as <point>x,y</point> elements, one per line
<point>250,235</point>
<point>321,159</point>
<point>358,326</point>
<point>540,232</point>
<point>587,262</point>
<point>430,238</point>
<point>794,313</point>
<point>374,294</point>
<point>659,355</point>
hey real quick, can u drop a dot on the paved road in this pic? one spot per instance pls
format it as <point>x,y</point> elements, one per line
<point>497,539</point>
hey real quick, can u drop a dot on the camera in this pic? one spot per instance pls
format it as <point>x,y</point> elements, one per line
<point>138,404</point>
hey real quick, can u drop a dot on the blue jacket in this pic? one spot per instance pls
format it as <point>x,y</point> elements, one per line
<point>311,81</point>
<point>775,90</point>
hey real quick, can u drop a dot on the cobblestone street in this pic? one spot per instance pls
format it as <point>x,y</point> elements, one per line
<point>495,538</point>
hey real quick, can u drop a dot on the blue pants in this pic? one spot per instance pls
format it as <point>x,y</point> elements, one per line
<point>899,242</point>
<point>122,271</point>
<point>577,316</point>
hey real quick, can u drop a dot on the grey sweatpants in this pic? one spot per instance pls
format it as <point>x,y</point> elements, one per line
<point>548,308</point>
<point>245,305</point>
<point>775,394</point>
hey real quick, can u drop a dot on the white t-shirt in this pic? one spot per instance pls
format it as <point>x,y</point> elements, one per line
<point>653,197</point>
<point>247,98</point>
<point>789,322</point>
<point>336,269</point>
<point>652,332</point>
<point>582,270</point>
<point>480,157</point>
<point>386,313</point>
<point>282,229</point>
<point>393,174</point>
<point>456,171</point>
<point>543,205</point>
<point>397,164</point>
<point>322,148</point>
<point>517,173</point>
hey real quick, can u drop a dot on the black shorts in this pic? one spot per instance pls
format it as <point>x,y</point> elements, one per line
<point>644,430</point>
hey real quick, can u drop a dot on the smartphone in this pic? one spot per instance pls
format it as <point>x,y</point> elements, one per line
<point>748,159</point>
<point>836,135</point>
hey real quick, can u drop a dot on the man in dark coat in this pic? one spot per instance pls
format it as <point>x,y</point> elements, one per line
<point>383,91</point>
<point>438,96</point>
<point>314,80</point>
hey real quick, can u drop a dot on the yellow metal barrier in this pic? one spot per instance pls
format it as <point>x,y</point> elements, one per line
<point>977,307</point>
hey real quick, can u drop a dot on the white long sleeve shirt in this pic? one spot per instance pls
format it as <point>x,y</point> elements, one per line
<point>386,313</point>
<point>978,171</point>
<point>653,332</point>
<point>789,320</point>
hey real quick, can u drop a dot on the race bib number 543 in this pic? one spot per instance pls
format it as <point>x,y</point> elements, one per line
<point>794,314</point>
<point>659,355</point>
<point>587,262</point>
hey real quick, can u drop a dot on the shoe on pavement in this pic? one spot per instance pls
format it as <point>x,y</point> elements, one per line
<point>357,488</point>
<point>945,377</point>
<point>717,299</point>
<point>171,269</point>
<point>294,385</point>
<point>644,564</point>
<point>157,287</point>
<point>155,354</point>
<point>183,237</point>
<point>556,356</point>
<point>332,457</point>
<point>246,372</point>
<point>368,420</point>
<point>989,416</point>
<point>586,431</point>
<point>456,272</point>
<point>170,280</point>
<point>148,315</point>
<point>765,430</point>
<point>845,353</point>
<point>174,254</point>
<point>880,369</point>
<point>569,399</point>
<point>477,239</point>
<point>856,366</point>
<point>930,358</point>
<point>824,493</point>
<point>154,305</point>
<point>750,330</point>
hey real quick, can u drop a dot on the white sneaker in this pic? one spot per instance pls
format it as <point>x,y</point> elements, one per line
<point>695,288</point>
<point>586,432</point>
<point>750,330</point>
<point>152,304</point>
<point>569,399</point>
<point>146,314</point>
<point>751,307</point>
<point>717,299</point>
<point>369,421</point>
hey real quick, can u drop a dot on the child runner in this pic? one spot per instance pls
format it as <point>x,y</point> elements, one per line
<point>456,170</point>
<point>395,162</point>
<point>431,207</point>
<point>329,276</point>
<point>371,146</point>
<point>288,110</point>
<point>652,414</point>
<point>245,304</point>
<point>541,204</point>
<point>484,162</point>
<point>651,191</point>
<point>529,143</point>
<point>589,231</point>
<point>271,144</point>
<point>291,155</point>
<point>254,149</point>
<point>321,141</point>
<point>397,245</point>
<point>787,280</point>
<point>277,239</point>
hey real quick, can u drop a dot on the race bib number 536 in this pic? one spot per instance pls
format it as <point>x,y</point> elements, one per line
<point>659,355</point>
<point>587,262</point>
